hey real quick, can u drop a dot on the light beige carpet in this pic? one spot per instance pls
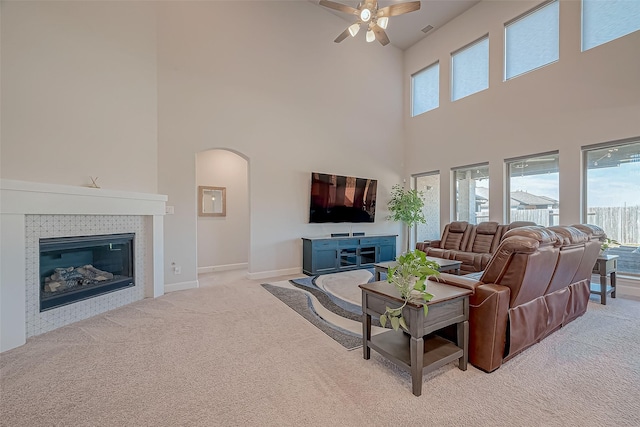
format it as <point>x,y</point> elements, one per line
<point>230,354</point>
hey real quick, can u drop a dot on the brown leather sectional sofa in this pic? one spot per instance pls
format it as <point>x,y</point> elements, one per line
<point>471,244</point>
<point>536,281</point>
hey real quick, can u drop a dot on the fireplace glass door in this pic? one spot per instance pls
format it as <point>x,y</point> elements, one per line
<point>77,268</point>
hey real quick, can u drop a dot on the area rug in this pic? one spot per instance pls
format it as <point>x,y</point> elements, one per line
<point>331,302</point>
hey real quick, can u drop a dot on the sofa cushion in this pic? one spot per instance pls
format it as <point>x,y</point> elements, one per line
<point>458,226</point>
<point>570,235</point>
<point>516,224</point>
<point>593,231</point>
<point>487,227</point>
<point>456,235</point>
<point>484,243</point>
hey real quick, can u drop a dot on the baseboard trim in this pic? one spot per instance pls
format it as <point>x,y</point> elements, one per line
<point>274,273</point>
<point>181,286</point>
<point>224,267</point>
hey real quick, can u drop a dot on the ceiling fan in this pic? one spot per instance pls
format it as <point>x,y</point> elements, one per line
<point>368,14</point>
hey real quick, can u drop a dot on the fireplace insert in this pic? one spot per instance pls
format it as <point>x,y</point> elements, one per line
<point>76,268</point>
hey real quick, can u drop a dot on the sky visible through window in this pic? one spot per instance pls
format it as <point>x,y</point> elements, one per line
<point>616,186</point>
<point>539,185</point>
<point>608,187</point>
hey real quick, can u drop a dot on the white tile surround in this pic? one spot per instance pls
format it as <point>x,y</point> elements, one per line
<point>44,226</point>
<point>30,211</point>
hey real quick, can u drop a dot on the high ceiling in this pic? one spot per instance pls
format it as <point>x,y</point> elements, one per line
<point>406,30</point>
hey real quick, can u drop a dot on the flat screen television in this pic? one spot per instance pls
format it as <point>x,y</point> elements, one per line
<point>338,198</point>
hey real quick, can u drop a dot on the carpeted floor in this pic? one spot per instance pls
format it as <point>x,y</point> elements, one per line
<point>230,354</point>
<point>331,302</point>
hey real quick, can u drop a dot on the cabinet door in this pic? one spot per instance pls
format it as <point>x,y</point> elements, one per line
<point>387,250</point>
<point>368,255</point>
<point>348,258</point>
<point>324,260</point>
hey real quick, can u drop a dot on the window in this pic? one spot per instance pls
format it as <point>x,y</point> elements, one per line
<point>603,21</point>
<point>425,90</point>
<point>612,199</point>
<point>472,193</point>
<point>470,69</point>
<point>532,41</point>
<point>533,188</point>
<point>429,185</point>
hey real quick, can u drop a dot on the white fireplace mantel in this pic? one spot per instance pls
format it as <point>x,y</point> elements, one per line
<point>20,198</point>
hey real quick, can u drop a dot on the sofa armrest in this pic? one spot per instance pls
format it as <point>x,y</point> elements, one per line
<point>427,244</point>
<point>459,281</point>
<point>488,319</point>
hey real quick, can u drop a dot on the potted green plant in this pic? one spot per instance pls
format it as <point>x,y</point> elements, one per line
<point>406,206</point>
<point>608,243</point>
<point>409,277</point>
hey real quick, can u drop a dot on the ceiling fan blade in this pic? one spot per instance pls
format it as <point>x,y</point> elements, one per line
<point>380,34</point>
<point>343,35</point>
<point>399,9</point>
<point>339,7</point>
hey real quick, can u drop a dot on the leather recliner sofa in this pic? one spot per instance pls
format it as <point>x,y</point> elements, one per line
<point>471,244</point>
<point>536,281</point>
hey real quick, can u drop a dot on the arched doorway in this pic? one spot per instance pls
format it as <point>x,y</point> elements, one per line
<point>223,241</point>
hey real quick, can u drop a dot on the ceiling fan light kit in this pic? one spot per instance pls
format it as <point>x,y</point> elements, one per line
<point>354,28</point>
<point>370,36</point>
<point>376,19</point>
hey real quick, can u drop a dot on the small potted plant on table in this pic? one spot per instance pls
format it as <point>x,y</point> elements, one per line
<point>409,277</point>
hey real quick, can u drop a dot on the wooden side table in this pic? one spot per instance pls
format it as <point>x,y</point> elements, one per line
<point>421,350</point>
<point>606,267</point>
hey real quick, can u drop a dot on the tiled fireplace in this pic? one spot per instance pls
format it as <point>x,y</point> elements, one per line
<point>40,227</point>
<point>33,214</point>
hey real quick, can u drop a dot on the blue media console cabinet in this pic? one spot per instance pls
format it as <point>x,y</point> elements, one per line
<point>321,255</point>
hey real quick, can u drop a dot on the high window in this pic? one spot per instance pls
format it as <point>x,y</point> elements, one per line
<point>429,185</point>
<point>470,69</point>
<point>472,193</point>
<point>603,21</point>
<point>612,198</point>
<point>425,90</point>
<point>533,189</point>
<point>533,40</point>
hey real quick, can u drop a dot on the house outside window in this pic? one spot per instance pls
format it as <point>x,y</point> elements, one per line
<point>470,69</point>
<point>425,90</point>
<point>612,198</point>
<point>532,41</point>
<point>603,21</point>
<point>472,193</point>
<point>429,185</point>
<point>533,188</point>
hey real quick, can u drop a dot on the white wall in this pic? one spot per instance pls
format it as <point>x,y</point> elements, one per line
<point>585,98</point>
<point>223,242</point>
<point>265,79</point>
<point>79,93</point>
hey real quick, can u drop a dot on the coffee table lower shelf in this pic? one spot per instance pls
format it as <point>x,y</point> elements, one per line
<point>395,346</point>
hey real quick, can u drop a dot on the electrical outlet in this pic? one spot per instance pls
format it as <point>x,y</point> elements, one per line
<point>177,269</point>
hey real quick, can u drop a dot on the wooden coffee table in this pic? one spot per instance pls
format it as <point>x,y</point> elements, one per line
<point>446,265</point>
<point>421,350</point>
